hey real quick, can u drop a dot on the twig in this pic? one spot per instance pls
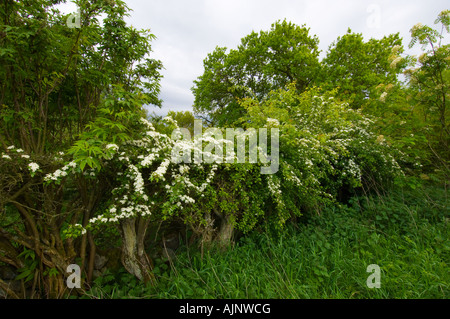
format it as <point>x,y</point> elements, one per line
<point>5,287</point>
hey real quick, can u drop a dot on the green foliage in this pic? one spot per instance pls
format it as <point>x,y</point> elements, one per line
<point>28,271</point>
<point>325,148</point>
<point>115,123</point>
<point>77,89</point>
<point>356,67</point>
<point>78,155</point>
<point>429,81</point>
<point>263,62</point>
<point>53,77</point>
<point>326,257</point>
<point>184,119</point>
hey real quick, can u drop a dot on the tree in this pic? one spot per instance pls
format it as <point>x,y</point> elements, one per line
<point>415,114</point>
<point>63,89</point>
<point>263,62</point>
<point>356,67</point>
<point>149,185</point>
<point>185,119</point>
<point>429,79</point>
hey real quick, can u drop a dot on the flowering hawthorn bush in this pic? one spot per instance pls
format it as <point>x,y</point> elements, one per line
<point>326,149</point>
<point>149,184</point>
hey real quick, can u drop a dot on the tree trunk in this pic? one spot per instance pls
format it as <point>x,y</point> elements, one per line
<point>134,257</point>
<point>225,235</point>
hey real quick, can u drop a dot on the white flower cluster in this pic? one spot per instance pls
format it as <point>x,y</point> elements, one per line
<point>122,157</point>
<point>13,148</point>
<point>161,170</point>
<point>138,180</point>
<point>273,122</point>
<point>183,169</point>
<point>293,177</point>
<point>90,172</point>
<point>147,123</point>
<point>112,146</point>
<point>396,48</point>
<point>115,214</point>
<point>200,189</point>
<point>33,167</point>
<point>170,120</point>
<point>354,170</point>
<point>275,189</point>
<point>396,61</point>
<point>187,199</point>
<point>60,172</point>
<point>416,27</point>
<point>148,160</point>
<point>80,228</point>
<point>383,97</point>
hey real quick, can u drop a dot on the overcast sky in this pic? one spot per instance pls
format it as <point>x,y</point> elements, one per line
<point>187,30</point>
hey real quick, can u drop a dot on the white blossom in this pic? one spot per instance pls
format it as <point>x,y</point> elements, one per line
<point>33,167</point>
<point>417,26</point>
<point>162,169</point>
<point>273,122</point>
<point>383,97</point>
<point>395,62</point>
<point>112,146</point>
<point>396,48</point>
<point>147,160</point>
<point>147,123</point>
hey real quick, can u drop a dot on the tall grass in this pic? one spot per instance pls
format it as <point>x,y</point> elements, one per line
<point>406,234</point>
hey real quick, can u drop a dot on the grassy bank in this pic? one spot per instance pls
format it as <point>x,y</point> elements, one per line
<point>406,234</point>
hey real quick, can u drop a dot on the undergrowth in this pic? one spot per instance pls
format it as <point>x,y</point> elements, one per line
<point>405,233</point>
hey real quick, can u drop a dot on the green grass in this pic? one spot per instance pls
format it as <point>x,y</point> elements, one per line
<point>407,235</point>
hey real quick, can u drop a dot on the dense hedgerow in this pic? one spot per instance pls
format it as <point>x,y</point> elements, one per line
<point>325,148</point>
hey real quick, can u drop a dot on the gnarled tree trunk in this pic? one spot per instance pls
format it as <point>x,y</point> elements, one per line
<point>225,233</point>
<point>134,257</point>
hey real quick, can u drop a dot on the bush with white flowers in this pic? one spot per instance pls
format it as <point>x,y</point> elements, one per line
<point>17,156</point>
<point>150,182</point>
<point>326,149</point>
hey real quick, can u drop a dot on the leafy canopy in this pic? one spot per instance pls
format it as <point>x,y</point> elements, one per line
<point>263,62</point>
